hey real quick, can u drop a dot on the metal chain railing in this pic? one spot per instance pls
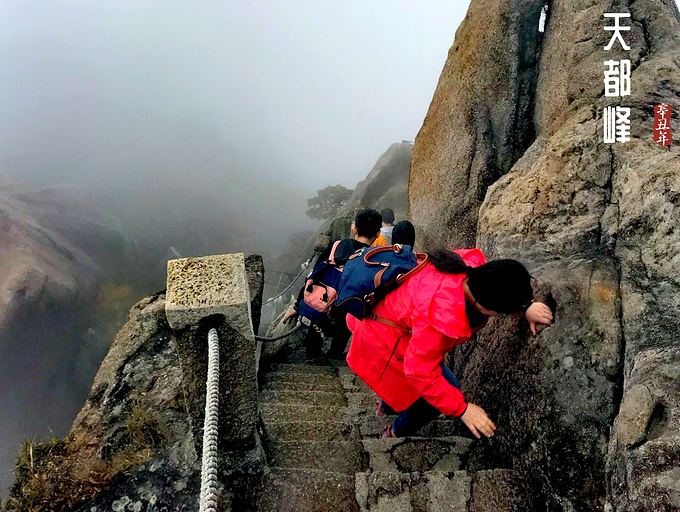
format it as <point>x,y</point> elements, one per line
<point>305,265</point>
<point>280,337</point>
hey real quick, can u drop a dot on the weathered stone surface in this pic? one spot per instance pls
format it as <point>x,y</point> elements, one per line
<point>495,490</point>
<point>432,491</point>
<point>211,285</point>
<point>288,490</point>
<point>449,494</point>
<point>339,456</point>
<point>644,451</point>
<point>386,185</point>
<point>329,431</point>
<point>255,277</point>
<point>213,292</point>
<point>303,397</point>
<point>479,121</point>
<point>238,414</point>
<point>415,454</point>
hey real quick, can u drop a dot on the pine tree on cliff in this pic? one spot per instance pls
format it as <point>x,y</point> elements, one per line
<point>328,201</point>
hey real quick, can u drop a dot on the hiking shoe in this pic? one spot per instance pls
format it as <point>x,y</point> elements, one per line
<point>388,434</point>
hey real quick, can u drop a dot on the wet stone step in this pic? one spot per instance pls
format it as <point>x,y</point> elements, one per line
<point>302,384</point>
<point>433,491</point>
<point>303,397</point>
<point>409,454</point>
<point>340,456</point>
<point>309,430</point>
<point>300,412</point>
<point>286,490</point>
<point>363,400</point>
<point>308,369</point>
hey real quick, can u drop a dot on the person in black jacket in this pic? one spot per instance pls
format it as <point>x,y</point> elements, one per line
<point>366,228</point>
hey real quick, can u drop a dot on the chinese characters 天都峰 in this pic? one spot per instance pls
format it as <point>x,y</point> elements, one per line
<point>616,120</point>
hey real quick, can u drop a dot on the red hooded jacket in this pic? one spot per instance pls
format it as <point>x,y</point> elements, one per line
<point>432,305</point>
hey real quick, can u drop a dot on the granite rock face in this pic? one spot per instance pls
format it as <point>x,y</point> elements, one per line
<point>594,223</point>
<point>479,121</point>
<point>386,186</point>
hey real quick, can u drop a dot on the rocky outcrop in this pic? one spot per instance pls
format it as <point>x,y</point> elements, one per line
<point>387,183</point>
<point>56,249</point>
<point>134,420</point>
<point>595,224</point>
<point>134,444</point>
<point>479,122</point>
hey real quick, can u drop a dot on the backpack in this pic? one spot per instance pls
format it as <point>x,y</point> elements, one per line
<point>321,289</point>
<point>371,273</point>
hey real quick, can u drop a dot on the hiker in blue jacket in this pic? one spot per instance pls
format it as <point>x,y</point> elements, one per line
<point>366,228</point>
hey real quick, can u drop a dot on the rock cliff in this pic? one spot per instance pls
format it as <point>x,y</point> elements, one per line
<point>588,409</point>
<point>56,249</point>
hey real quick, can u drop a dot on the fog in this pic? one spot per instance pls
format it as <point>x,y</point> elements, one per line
<point>234,98</point>
<point>203,126</point>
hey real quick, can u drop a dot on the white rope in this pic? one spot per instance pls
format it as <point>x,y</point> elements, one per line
<point>208,500</point>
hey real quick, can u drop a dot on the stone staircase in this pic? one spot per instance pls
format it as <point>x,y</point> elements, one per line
<point>325,453</point>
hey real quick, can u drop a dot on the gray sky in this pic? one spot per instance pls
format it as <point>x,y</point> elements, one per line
<point>188,93</point>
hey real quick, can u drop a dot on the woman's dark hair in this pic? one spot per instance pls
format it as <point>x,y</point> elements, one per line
<point>503,286</point>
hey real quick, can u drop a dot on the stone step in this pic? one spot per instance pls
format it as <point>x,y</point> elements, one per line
<point>409,454</point>
<point>286,490</point>
<point>278,431</point>
<point>300,412</point>
<point>425,492</point>
<point>277,384</point>
<point>339,456</point>
<point>436,491</point>
<point>303,397</point>
<point>308,369</point>
<point>369,402</point>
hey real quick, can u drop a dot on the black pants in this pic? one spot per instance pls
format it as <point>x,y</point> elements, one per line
<point>338,330</point>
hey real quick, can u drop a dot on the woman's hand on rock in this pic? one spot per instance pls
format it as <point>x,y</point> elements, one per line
<point>477,421</point>
<point>538,313</point>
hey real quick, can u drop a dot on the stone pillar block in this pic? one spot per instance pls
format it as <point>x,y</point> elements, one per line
<point>201,287</point>
<point>208,292</point>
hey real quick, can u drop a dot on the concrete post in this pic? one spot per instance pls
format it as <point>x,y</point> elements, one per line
<point>208,292</point>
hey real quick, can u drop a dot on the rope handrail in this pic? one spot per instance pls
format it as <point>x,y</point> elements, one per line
<point>209,481</point>
<point>280,337</point>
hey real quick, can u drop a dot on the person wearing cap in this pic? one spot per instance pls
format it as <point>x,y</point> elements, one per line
<point>399,353</point>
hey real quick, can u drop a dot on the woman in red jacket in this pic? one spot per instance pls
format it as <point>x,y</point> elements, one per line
<point>400,354</point>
